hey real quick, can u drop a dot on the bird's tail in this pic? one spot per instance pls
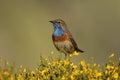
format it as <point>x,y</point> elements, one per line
<point>78,50</point>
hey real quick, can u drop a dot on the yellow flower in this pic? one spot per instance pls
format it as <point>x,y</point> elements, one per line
<point>7,62</point>
<point>71,55</point>
<point>66,62</point>
<point>32,72</point>
<point>116,75</point>
<point>6,73</point>
<point>42,72</point>
<point>63,78</point>
<point>112,55</point>
<point>76,72</point>
<point>52,52</point>
<point>46,59</point>
<point>76,53</point>
<point>94,64</point>
<point>98,65</point>
<point>19,77</point>
<point>21,66</point>
<point>74,66</point>
<point>81,72</point>
<point>49,63</point>
<point>36,69</point>
<point>112,67</point>
<point>108,67</point>
<point>82,63</point>
<point>10,78</point>
<point>108,78</point>
<point>24,70</point>
<point>72,78</point>
<point>99,74</point>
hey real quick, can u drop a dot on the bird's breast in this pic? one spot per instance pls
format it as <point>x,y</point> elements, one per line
<point>60,38</point>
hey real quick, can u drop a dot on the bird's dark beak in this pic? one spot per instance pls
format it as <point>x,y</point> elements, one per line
<point>52,21</point>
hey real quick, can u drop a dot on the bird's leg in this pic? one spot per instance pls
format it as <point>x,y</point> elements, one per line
<point>67,57</point>
<point>60,56</point>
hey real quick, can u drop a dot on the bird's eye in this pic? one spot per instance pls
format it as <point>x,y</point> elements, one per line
<point>59,22</point>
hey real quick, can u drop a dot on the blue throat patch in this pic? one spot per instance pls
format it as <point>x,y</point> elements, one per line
<point>57,30</point>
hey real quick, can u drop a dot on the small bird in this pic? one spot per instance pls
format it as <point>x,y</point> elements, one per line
<point>63,39</point>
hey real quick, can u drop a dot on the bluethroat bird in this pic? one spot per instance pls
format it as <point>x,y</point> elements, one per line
<point>63,39</point>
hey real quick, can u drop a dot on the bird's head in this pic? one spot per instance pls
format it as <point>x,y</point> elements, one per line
<point>59,23</point>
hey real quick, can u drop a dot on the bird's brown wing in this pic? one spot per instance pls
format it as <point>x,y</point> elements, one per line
<point>74,43</point>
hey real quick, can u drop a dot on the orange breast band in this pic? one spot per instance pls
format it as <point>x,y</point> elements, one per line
<point>61,38</point>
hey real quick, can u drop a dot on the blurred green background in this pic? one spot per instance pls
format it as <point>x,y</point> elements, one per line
<point>25,30</point>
